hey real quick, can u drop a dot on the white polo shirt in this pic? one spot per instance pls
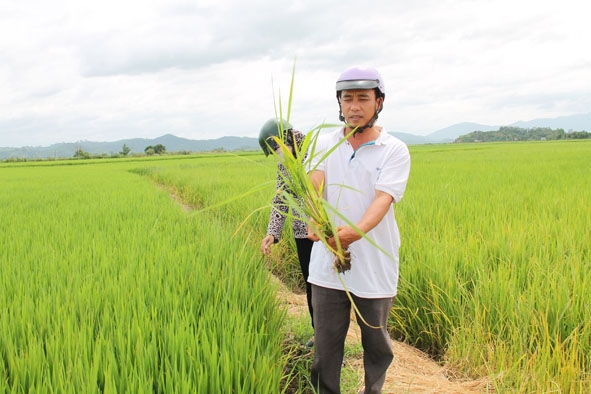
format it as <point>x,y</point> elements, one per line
<point>382,165</point>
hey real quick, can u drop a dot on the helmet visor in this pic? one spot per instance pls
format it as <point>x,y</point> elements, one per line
<point>357,84</point>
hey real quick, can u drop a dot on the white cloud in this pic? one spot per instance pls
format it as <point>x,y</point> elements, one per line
<point>81,70</point>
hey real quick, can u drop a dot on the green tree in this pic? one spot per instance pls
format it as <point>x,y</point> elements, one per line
<point>80,154</point>
<point>159,149</point>
<point>156,149</point>
<point>125,150</point>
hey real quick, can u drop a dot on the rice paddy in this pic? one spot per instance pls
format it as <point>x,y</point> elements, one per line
<point>109,285</point>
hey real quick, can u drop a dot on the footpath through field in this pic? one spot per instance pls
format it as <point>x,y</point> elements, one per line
<point>411,371</point>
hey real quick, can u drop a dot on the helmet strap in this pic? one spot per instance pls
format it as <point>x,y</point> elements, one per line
<point>361,129</point>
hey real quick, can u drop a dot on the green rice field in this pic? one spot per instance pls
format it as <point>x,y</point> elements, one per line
<point>144,275</point>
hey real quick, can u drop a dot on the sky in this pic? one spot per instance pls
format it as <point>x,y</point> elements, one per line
<point>78,70</point>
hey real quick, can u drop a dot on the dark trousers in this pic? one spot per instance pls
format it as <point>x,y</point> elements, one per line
<point>304,248</point>
<point>332,314</point>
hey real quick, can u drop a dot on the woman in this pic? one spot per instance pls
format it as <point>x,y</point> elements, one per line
<point>280,209</point>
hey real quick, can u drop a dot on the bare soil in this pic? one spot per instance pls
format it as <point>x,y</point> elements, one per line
<point>411,371</point>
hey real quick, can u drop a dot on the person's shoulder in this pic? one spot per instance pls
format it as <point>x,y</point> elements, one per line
<point>298,135</point>
<point>394,145</point>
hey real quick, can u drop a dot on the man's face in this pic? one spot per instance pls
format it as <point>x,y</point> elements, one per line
<point>359,106</point>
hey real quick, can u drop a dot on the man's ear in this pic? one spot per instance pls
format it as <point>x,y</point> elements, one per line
<point>380,102</point>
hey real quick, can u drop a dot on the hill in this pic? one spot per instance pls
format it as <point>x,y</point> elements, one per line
<point>449,134</point>
<point>578,122</point>
<point>136,145</point>
<point>512,133</point>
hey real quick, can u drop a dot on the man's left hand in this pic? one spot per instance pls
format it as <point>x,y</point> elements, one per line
<point>346,235</point>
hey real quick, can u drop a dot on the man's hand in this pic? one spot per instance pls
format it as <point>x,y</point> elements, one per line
<point>266,243</point>
<point>311,234</point>
<point>346,235</point>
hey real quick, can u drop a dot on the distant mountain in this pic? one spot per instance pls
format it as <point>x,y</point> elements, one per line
<point>411,139</point>
<point>449,134</point>
<point>177,144</point>
<point>579,122</point>
<point>136,145</point>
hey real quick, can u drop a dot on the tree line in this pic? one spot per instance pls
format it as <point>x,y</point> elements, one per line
<point>158,149</point>
<point>510,133</point>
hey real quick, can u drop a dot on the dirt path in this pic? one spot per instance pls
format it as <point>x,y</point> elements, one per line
<point>410,372</point>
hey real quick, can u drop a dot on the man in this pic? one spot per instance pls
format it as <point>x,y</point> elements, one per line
<point>362,178</point>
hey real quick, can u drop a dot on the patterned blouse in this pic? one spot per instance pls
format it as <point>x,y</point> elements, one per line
<point>279,208</point>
